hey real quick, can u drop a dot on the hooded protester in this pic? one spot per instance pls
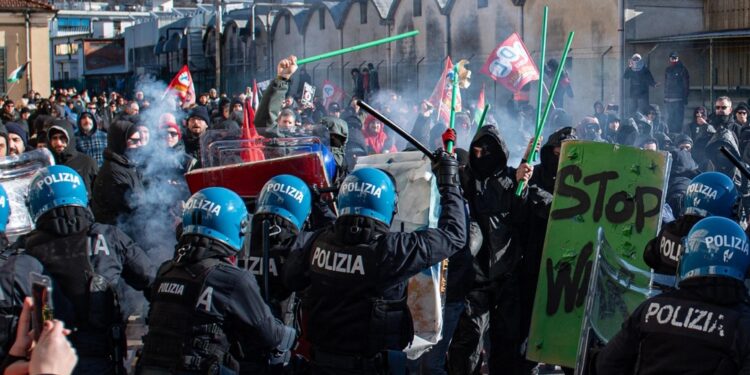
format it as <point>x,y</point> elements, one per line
<point>489,186</point>
<point>640,81</point>
<point>684,168</point>
<point>611,127</point>
<point>18,141</point>
<point>599,113</point>
<point>90,139</point>
<point>62,143</point>
<point>197,124</point>
<point>376,138</point>
<point>173,137</point>
<point>700,131</point>
<point>338,132</point>
<point>119,180</point>
<point>716,161</point>
<point>549,156</point>
<point>676,90</point>
<point>590,129</point>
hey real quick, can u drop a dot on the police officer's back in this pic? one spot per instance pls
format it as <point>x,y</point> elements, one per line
<point>708,194</point>
<point>201,303</point>
<point>8,311</point>
<point>701,328</point>
<point>357,270</point>
<point>85,260</point>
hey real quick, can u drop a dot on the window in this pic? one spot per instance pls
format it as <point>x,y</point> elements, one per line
<point>322,18</point>
<point>66,49</point>
<point>80,25</point>
<point>417,5</point>
<point>482,3</point>
<point>363,12</point>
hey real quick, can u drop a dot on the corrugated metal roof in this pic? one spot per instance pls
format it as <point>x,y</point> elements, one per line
<point>25,5</point>
<point>699,36</point>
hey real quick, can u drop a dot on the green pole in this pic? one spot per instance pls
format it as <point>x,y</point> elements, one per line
<point>553,89</point>
<point>454,93</point>
<point>358,47</point>
<point>542,57</point>
<point>484,116</point>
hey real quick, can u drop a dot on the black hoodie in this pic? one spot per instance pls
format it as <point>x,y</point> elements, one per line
<point>81,163</point>
<point>489,187</point>
<point>119,181</point>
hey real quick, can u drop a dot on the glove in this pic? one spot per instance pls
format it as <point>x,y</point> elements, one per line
<point>449,135</point>
<point>282,353</point>
<point>447,169</point>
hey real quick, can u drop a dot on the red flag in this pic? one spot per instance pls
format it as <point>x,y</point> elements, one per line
<point>441,95</point>
<point>511,65</point>
<point>480,106</point>
<point>250,151</point>
<point>331,93</point>
<point>182,86</point>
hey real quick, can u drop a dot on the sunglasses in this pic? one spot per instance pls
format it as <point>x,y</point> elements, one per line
<point>172,134</point>
<point>741,112</point>
<point>722,107</point>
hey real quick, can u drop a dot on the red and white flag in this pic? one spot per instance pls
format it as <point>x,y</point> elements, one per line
<point>252,150</point>
<point>182,86</point>
<point>511,65</point>
<point>332,93</point>
<point>441,95</point>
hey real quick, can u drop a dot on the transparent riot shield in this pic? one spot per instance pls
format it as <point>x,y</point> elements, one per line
<point>615,289</point>
<point>16,173</point>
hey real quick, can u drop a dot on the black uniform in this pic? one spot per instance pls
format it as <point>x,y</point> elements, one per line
<point>357,274</point>
<point>201,307</point>
<point>86,261</point>
<point>663,252</point>
<point>702,328</point>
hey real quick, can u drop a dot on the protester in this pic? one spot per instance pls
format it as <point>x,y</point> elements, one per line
<point>376,139</point>
<point>640,82</point>
<point>17,139</point>
<point>676,90</point>
<point>62,144</point>
<point>90,139</point>
<point>197,124</point>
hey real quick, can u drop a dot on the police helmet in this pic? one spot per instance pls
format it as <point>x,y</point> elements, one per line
<point>711,194</point>
<point>368,192</point>
<point>328,161</point>
<point>286,196</point>
<point>56,186</point>
<point>217,213</point>
<point>715,247</point>
<point>4,209</point>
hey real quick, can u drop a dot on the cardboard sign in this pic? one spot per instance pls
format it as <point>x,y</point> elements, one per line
<point>620,189</point>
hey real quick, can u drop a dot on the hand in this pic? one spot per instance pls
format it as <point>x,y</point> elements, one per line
<point>24,336</point>
<point>446,169</point>
<point>449,135</point>
<point>701,120</point>
<point>528,147</point>
<point>524,172</point>
<point>426,108</point>
<point>53,353</point>
<point>287,67</point>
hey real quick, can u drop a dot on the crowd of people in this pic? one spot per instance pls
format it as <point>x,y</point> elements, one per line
<point>343,273</point>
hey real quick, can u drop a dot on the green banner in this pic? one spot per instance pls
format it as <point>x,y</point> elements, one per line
<point>620,189</point>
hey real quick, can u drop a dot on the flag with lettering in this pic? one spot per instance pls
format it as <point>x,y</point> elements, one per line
<point>182,86</point>
<point>511,65</point>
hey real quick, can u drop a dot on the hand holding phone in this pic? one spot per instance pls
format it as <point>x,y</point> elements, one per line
<point>41,294</point>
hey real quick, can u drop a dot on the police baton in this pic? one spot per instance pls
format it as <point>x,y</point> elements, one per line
<point>397,129</point>
<point>737,163</point>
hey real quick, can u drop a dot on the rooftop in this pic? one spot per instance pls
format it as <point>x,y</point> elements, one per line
<point>36,5</point>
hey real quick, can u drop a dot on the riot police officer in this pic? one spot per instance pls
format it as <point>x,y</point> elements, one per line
<point>201,303</point>
<point>357,271</point>
<point>708,194</point>
<point>8,312</point>
<point>701,328</point>
<point>4,218</point>
<point>281,210</point>
<point>85,260</point>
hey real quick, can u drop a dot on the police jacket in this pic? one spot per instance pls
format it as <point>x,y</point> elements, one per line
<point>119,181</point>
<point>201,305</point>
<point>86,261</point>
<point>663,252</point>
<point>489,187</point>
<point>702,328</point>
<point>357,274</point>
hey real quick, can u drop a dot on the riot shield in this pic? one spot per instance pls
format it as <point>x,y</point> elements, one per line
<point>16,173</point>
<point>420,208</point>
<point>616,288</point>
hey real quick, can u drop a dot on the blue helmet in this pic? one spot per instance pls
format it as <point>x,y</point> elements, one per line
<point>711,194</point>
<point>716,247</point>
<point>328,161</point>
<point>4,209</point>
<point>56,186</point>
<point>286,196</point>
<point>368,192</point>
<point>217,213</point>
